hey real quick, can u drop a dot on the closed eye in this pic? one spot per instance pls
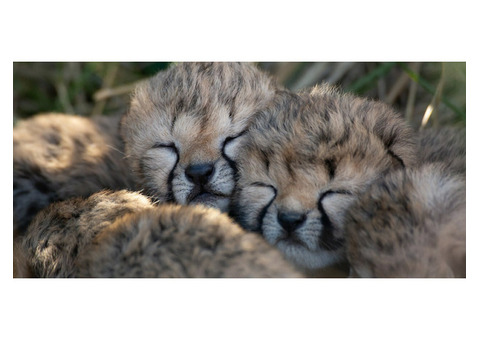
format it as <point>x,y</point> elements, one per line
<point>252,205</point>
<point>230,139</point>
<point>165,145</point>
<point>230,149</point>
<point>158,165</point>
<point>325,217</point>
<point>264,210</point>
<point>333,218</point>
<point>260,184</point>
<point>331,192</point>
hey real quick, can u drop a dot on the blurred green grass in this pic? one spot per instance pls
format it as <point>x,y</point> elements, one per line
<point>70,87</point>
<point>90,88</point>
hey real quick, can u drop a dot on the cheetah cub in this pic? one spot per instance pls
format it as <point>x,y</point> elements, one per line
<point>58,156</point>
<point>181,241</point>
<point>412,223</point>
<point>60,232</point>
<point>409,224</point>
<point>184,126</point>
<point>307,158</point>
<point>122,234</point>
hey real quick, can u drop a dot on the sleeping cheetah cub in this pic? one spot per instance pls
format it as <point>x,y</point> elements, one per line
<point>180,241</point>
<point>184,125</point>
<point>60,232</point>
<point>307,158</point>
<point>58,156</point>
<point>409,224</point>
<point>412,222</point>
<point>121,234</point>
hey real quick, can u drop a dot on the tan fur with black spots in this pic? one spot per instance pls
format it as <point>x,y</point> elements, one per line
<point>308,156</point>
<point>412,223</point>
<point>173,241</point>
<point>184,126</point>
<point>59,233</point>
<point>59,156</point>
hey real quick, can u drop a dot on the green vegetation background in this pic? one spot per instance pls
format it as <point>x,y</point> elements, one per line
<point>94,88</point>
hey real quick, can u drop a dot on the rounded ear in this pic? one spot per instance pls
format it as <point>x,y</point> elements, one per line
<point>395,133</point>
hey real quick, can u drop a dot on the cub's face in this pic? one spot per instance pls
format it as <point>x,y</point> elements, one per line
<point>184,126</point>
<point>307,158</point>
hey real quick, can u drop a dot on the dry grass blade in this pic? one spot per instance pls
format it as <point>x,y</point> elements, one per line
<point>432,107</point>
<point>340,70</point>
<point>111,73</point>
<point>363,83</point>
<point>311,76</point>
<point>62,92</point>
<point>429,88</point>
<point>381,88</point>
<point>412,92</point>
<point>106,93</point>
<point>284,71</point>
<point>397,89</point>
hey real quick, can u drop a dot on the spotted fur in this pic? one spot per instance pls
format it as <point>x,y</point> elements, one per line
<point>409,224</point>
<point>60,232</point>
<point>21,264</point>
<point>412,223</point>
<point>180,241</point>
<point>122,234</point>
<point>446,145</point>
<point>58,156</point>
<point>306,159</point>
<point>184,125</point>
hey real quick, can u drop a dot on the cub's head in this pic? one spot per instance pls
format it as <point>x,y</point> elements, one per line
<point>307,157</point>
<point>182,130</point>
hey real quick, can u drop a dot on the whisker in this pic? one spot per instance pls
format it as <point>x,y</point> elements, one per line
<point>118,150</point>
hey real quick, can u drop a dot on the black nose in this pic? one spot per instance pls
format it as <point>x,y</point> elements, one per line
<point>199,173</point>
<point>291,221</point>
